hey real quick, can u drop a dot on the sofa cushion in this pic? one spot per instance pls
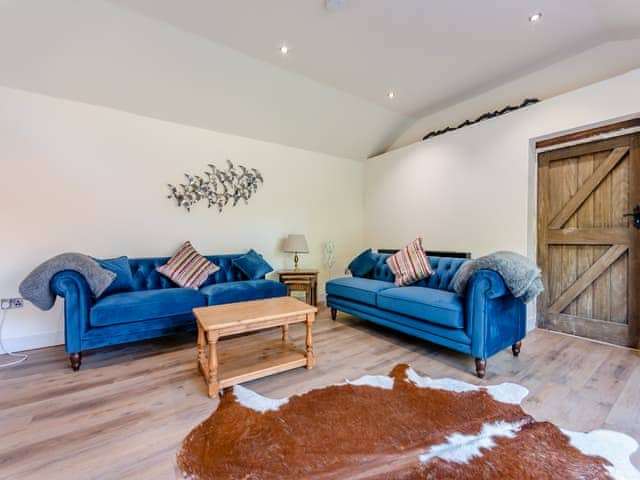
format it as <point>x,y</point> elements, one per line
<point>362,264</point>
<point>144,305</point>
<point>430,304</point>
<point>230,292</point>
<point>410,264</point>
<point>252,265</point>
<point>358,289</point>
<point>187,267</point>
<point>124,279</point>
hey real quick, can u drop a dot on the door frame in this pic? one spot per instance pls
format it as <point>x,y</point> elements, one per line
<point>612,130</point>
<point>532,185</point>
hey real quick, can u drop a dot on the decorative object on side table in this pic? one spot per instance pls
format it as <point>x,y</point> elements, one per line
<point>299,280</point>
<point>329,256</point>
<point>218,188</point>
<point>295,243</point>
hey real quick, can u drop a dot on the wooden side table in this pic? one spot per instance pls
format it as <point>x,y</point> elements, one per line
<point>301,280</point>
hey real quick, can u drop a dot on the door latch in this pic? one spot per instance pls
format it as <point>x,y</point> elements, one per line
<point>636,216</point>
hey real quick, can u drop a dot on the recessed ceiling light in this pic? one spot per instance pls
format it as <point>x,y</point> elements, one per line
<point>536,17</point>
<point>284,50</point>
<point>391,95</point>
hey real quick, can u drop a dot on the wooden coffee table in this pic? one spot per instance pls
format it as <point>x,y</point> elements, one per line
<point>251,359</point>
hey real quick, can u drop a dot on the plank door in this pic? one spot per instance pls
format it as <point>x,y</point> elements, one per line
<point>587,249</point>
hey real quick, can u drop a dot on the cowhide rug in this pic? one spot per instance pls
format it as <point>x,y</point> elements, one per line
<point>401,426</point>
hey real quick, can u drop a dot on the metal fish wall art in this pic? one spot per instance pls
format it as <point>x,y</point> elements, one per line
<point>218,187</point>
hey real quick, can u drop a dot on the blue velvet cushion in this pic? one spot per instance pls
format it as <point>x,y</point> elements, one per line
<point>430,304</point>
<point>252,265</point>
<point>451,337</point>
<point>123,282</point>
<point>362,264</point>
<point>230,292</point>
<point>358,289</point>
<point>144,305</point>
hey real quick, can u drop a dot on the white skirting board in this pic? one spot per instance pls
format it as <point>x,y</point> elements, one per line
<point>30,342</point>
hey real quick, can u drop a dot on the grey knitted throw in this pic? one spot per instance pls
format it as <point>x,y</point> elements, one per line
<point>35,287</point>
<point>521,276</point>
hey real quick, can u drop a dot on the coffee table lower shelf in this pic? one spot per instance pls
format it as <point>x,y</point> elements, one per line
<point>241,361</point>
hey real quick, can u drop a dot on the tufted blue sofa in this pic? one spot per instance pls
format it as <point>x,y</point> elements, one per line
<point>484,321</point>
<point>156,306</point>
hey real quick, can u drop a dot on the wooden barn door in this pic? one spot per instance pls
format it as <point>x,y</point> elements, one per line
<point>589,251</point>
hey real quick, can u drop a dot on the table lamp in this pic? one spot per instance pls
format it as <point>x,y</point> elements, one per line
<point>295,244</point>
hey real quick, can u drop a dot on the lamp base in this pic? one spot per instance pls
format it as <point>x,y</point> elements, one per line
<point>295,261</point>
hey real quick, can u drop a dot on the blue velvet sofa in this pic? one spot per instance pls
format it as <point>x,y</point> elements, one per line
<point>156,306</point>
<point>484,321</point>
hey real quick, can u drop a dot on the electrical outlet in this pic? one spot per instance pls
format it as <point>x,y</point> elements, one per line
<point>11,303</point>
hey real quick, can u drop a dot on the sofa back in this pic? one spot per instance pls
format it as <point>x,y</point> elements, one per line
<point>145,276</point>
<point>444,270</point>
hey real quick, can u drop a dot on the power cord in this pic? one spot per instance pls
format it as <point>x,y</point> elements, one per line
<point>3,350</point>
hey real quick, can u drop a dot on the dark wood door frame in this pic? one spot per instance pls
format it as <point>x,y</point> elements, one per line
<point>589,132</point>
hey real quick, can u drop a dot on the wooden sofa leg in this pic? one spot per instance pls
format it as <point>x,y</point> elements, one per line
<point>76,360</point>
<point>481,367</point>
<point>334,313</point>
<point>515,348</point>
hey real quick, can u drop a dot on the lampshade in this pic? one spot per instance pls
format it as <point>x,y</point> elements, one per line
<point>295,243</point>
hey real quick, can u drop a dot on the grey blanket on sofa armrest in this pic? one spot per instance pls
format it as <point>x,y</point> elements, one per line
<point>35,287</point>
<point>521,276</point>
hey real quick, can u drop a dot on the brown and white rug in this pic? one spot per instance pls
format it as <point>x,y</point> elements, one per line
<point>401,426</point>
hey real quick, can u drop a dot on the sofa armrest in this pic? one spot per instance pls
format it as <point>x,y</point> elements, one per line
<point>78,300</point>
<point>495,319</point>
<point>489,283</point>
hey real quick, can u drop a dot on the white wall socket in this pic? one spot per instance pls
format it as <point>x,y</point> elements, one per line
<point>10,303</point>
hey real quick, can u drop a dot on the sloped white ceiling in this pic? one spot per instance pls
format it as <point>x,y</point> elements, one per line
<point>96,52</point>
<point>599,63</point>
<point>433,53</point>
<point>215,64</point>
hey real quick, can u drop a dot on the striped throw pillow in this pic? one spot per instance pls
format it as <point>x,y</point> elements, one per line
<point>187,267</point>
<point>410,264</point>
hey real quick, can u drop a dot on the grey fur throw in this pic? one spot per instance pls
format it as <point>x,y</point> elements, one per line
<point>522,277</point>
<point>35,287</point>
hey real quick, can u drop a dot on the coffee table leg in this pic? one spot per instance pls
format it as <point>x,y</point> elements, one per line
<point>201,356</point>
<point>212,379</point>
<point>311,361</point>
<point>285,332</point>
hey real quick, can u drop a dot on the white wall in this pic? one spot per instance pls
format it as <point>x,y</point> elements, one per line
<point>474,189</point>
<point>76,177</point>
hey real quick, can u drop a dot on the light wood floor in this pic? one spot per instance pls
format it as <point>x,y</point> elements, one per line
<point>125,412</point>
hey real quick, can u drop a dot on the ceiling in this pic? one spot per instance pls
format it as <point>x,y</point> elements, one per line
<point>432,54</point>
<point>216,64</point>
<point>99,53</point>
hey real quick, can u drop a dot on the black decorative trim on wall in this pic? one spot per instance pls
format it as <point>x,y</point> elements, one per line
<point>484,116</point>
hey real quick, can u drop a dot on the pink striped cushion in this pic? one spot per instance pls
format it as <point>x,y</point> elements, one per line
<point>410,264</point>
<point>187,267</point>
